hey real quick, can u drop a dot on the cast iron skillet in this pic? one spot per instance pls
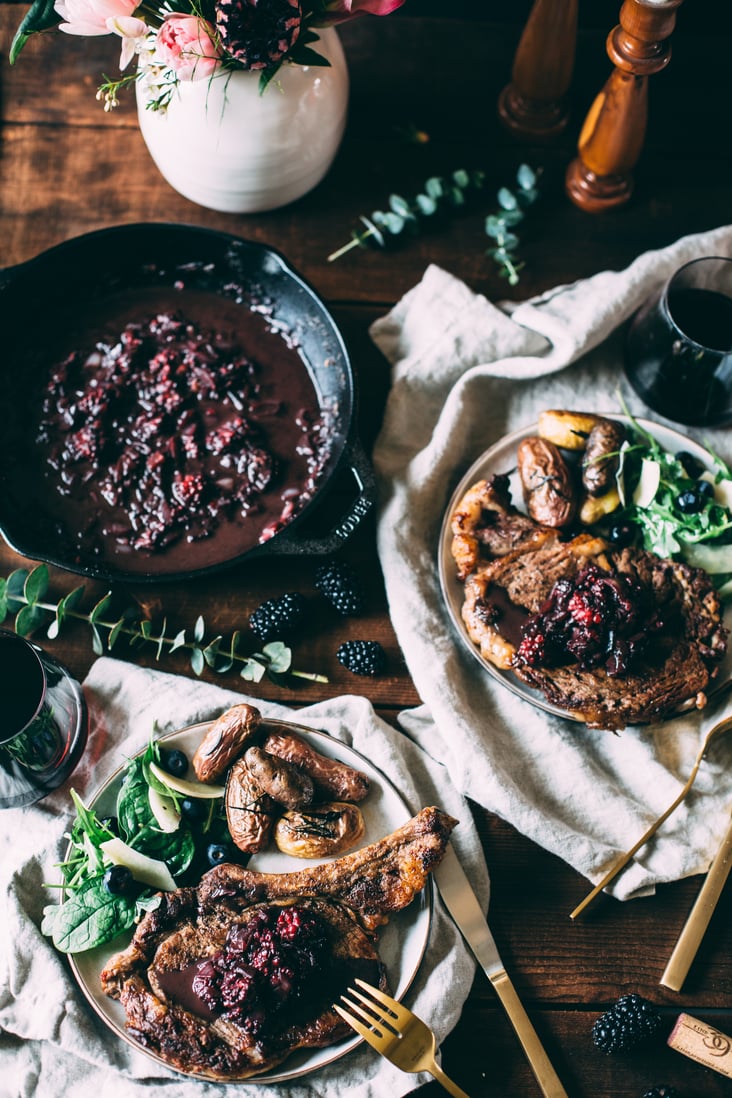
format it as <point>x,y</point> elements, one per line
<point>140,255</point>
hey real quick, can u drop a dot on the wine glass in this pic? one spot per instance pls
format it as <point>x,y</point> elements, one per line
<point>43,722</point>
<point>678,350</point>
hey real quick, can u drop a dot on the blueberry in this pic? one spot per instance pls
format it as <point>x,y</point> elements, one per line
<point>218,853</point>
<point>193,809</point>
<point>621,534</point>
<point>691,465</point>
<point>689,502</point>
<point>705,488</point>
<point>174,762</point>
<point>110,822</point>
<point>118,881</point>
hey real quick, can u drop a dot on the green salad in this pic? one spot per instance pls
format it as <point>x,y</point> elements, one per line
<point>679,506</point>
<point>166,832</point>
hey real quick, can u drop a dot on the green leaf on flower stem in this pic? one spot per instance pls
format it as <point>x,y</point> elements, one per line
<point>72,600</point>
<point>199,628</point>
<point>41,15</point>
<point>278,656</point>
<point>426,205</point>
<point>374,231</point>
<point>526,177</point>
<point>211,651</point>
<point>178,641</point>
<point>435,187</point>
<point>252,671</point>
<point>36,583</point>
<point>114,633</point>
<point>197,661</point>
<point>303,55</point>
<point>16,583</point>
<point>399,206</point>
<point>507,199</point>
<point>100,609</point>
<point>97,643</point>
<point>28,619</point>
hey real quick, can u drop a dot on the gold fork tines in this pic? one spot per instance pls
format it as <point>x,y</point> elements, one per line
<point>395,1032</point>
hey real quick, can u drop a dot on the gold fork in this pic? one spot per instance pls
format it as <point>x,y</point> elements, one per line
<point>395,1032</point>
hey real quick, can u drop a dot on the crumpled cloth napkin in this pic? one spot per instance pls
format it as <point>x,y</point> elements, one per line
<point>51,1043</point>
<point>466,372</point>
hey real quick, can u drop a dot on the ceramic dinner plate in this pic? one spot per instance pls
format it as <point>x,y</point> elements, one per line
<point>402,942</point>
<point>500,459</point>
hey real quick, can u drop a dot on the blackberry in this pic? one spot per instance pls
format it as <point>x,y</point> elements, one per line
<point>663,1091</point>
<point>258,35</point>
<point>631,1020</point>
<point>362,657</point>
<point>277,619</point>
<point>340,585</point>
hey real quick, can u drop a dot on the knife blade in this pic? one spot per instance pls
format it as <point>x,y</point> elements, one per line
<point>462,903</point>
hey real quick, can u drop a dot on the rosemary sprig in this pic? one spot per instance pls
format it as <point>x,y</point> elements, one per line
<point>512,206</point>
<point>439,194</point>
<point>23,592</point>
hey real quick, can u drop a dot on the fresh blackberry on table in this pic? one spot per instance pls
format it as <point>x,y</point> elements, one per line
<point>278,619</point>
<point>662,1091</point>
<point>258,34</point>
<point>342,588</point>
<point>362,657</point>
<point>626,1024</point>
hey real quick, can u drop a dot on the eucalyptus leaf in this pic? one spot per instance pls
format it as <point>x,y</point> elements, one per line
<point>114,632</point>
<point>97,643</point>
<point>427,206</point>
<point>399,205</point>
<point>252,671</point>
<point>211,651</point>
<point>101,608</point>
<point>146,628</point>
<point>28,619</point>
<point>15,584</point>
<point>526,177</point>
<point>197,661</point>
<point>178,641</point>
<point>278,655</point>
<point>199,629</point>
<point>36,583</point>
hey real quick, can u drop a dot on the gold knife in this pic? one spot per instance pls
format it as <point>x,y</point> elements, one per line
<point>699,916</point>
<point>463,905</point>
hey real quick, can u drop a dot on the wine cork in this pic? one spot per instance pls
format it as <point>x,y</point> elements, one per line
<point>703,1043</point>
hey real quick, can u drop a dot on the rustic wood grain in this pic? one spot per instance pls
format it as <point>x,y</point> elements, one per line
<point>67,168</point>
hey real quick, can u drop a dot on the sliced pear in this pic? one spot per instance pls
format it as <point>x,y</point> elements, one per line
<point>149,871</point>
<point>722,491</point>
<point>164,810</point>
<point>647,486</point>
<point>184,787</point>
<point>714,559</point>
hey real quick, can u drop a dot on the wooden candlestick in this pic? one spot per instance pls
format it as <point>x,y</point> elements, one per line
<point>614,131</point>
<point>533,106</point>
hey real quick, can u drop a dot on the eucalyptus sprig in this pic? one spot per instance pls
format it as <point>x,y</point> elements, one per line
<point>23,593</point>
<point>512,206</point>
<point>438,196</point>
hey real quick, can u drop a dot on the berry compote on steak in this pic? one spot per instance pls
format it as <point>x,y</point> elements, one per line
<point>610,636</point>
<point>226,980</point>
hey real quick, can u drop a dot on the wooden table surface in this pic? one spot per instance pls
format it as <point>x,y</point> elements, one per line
<point>66,168</point>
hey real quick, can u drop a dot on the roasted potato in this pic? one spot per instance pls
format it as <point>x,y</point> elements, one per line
<point>594,508</point>
<point>250,812</point>
<point>285,783</point>
<point>333,780</point>
<point>601,457</point>
<point>547,483</point>
<point>321,830</point>
<point>569,430</point>
<point>225,740</point>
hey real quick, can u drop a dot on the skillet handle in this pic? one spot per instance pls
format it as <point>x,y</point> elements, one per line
<point>289,544</point>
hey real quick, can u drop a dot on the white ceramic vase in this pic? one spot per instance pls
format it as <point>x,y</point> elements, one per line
<point>224,146</point>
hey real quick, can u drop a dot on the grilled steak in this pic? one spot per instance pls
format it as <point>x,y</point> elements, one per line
<point>227,979</point>
<point>676,661</point>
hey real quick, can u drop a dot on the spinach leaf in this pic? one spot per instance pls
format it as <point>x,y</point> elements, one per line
<point>88,917</point>
<point>140,829</point>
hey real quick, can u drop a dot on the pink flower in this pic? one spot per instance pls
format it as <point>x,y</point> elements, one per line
<point>338,11</point>
<point>89,17</point>
<point>188,46</point>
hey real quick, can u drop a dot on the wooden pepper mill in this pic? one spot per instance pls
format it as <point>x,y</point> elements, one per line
<point>614,131</point>
<point>533,106</point>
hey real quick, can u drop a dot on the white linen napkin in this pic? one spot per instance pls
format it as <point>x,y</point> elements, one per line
<point>52,1043</point>
<point>466,372</point>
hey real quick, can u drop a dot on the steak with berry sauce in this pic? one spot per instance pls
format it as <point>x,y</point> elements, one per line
<point>611,636</point>
<point>227,979</point>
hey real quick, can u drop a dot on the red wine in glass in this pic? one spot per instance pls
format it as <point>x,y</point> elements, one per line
<point>678,350</point>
